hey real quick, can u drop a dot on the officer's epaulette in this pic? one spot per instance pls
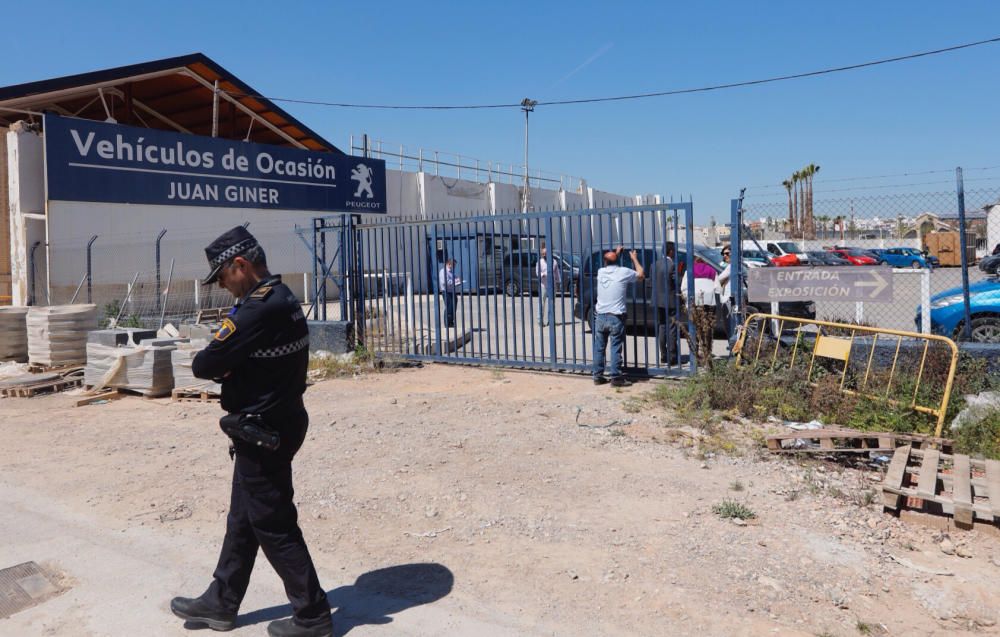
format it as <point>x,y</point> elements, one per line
<point>262,292</point>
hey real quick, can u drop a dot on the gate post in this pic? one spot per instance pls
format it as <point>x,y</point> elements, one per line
<point>435,286</point>
<point>967,323</point>
<point>736,266</point>
<point>550,308</point>
<point>688,209</point>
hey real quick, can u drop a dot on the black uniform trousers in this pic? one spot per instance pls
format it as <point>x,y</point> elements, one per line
<point>263,515</point>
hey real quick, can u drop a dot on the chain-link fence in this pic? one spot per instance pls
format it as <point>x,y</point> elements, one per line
<point>916,238</point>
<point>145,280</point>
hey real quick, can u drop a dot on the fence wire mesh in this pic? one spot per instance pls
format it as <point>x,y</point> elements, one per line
<point>916,234</point>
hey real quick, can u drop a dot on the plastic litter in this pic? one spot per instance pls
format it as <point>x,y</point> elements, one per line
<point>977,407</point>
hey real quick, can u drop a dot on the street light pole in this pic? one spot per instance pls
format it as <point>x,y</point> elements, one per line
<point>527,105</point>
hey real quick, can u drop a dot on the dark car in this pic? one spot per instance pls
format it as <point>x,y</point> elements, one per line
<point>991,264</point>
<point>640,306</point>
<point>519,274</point>
<point>819,257</point>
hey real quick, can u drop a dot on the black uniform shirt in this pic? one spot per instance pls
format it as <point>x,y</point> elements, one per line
<point>264,347</point>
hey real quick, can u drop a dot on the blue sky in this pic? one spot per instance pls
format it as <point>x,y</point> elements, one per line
<point>926,114</point>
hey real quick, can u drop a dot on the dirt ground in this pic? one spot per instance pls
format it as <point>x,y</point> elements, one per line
<point>461,501</point>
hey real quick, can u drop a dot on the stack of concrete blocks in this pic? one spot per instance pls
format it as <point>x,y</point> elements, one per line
<point>183,356</point>
<point>13,334</point>
<point>116,361</point>
<point>57,335</point>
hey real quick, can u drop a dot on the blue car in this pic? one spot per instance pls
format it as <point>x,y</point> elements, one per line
<point>902,258</point>
<point>948,312</point>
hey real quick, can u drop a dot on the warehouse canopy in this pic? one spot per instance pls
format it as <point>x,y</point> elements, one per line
<point>176,94</point>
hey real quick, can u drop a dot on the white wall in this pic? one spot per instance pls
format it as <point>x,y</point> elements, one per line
<point>992,227</point>
<point>127,233</point>
<point>441,195</point>
<point>26,190</point>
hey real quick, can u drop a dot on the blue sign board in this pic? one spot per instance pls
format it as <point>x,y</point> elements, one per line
<point>97,161</point>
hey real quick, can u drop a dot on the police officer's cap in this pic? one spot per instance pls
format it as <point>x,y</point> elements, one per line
<point>230,244</point>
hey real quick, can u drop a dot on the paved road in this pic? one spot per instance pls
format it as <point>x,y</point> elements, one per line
<point>123,578</point>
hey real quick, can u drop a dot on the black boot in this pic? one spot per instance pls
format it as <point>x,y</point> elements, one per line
<point>288,628</point>
<point>199,611</point>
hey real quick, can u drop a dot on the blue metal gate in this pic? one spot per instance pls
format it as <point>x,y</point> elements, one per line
<point>502,312</point>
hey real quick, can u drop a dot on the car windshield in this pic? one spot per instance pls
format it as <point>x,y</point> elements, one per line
<point>753,254</point>
<point>789,246</point>
<point>859,253</point>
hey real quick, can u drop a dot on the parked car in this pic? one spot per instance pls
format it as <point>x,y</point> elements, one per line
<point>751,257</point>
<point>901,258</point>
<point>518,273</point>
<point>781,252</point>
<point>991,264</point>
<point>855,256</point>
<point>640,307</point>
<point>818,257</point>
<point>948,312</point>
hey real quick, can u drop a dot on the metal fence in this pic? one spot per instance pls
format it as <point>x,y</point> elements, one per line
<point>395,286</point>
<point>929,280</point>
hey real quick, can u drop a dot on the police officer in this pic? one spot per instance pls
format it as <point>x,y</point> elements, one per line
<point>260,355</point>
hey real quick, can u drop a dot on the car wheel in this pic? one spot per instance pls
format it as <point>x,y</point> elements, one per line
<point>986,329</point>
<point>915,265</point>
<point>883,263</point>
<point>512,288</point>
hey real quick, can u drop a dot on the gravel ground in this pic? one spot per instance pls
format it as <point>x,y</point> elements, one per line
<point>477,501</point>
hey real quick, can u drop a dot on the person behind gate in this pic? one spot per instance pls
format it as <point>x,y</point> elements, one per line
<point>665,296</point>
<point>609,314</point>
<point>542,272</point>
<point>449,284</point>
<point>260,355</point>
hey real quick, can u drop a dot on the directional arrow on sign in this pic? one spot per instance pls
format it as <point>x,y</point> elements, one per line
<point>879,283</point>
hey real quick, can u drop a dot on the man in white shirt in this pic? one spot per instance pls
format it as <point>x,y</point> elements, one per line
<point>542,272</point>
<point>609,313</point>
<point>448,284</point>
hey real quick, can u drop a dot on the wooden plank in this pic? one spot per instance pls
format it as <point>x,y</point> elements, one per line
<point>894,478</point>
<point>927,480</point>
<point>109,395</point>
<point>993,487</point>
<point>962,491</point>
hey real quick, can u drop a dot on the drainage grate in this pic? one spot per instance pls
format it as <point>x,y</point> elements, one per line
<point>24,586</point>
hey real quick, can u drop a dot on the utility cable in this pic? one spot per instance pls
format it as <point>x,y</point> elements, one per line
<point>619,98</point>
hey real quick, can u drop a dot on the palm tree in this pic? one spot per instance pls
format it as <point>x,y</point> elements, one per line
<point>799,178</point>
<point>810,225</point>
<point>791,213</point>
<point>823,220</point>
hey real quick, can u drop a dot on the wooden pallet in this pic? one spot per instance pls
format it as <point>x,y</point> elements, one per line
<point>836,440</point>
<point>113,394</point>
<point>956,485</point>
<point>35,389</point>
<point>194,395</point>
<point>35,368</point>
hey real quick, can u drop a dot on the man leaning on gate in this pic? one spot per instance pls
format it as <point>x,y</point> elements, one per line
<point>609,314</point>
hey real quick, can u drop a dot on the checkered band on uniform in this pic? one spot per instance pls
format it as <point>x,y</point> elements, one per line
<point>233,251</point>
<point>282,350</point>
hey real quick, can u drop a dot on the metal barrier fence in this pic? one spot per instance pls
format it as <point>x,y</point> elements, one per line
<point>930,258</point>
<point>494,306</point>
<point>906,369</point>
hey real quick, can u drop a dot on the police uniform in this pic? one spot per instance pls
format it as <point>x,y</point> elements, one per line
<point>260,355</point>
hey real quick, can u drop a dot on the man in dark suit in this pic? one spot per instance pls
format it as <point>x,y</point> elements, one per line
<point>665,297</point>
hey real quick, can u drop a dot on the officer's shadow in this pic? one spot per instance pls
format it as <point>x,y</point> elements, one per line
<point>374,596</point>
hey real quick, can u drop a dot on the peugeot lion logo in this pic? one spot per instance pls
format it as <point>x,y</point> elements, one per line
<point>363,175</point>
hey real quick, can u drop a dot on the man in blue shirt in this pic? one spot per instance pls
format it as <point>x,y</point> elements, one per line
<point>449,284</point>
<point>609,313</point>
